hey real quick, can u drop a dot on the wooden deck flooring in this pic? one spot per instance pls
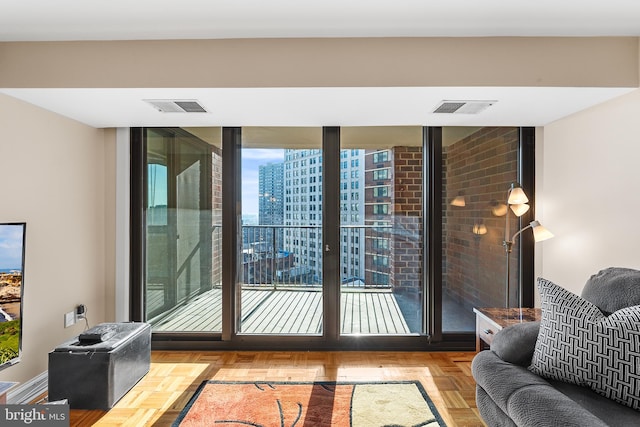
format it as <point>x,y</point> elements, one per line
<point>289,312</point>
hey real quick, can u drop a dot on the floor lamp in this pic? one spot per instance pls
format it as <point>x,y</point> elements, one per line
<point>517,203</point>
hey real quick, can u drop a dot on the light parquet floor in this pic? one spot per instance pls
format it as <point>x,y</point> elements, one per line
<point>174,376</point>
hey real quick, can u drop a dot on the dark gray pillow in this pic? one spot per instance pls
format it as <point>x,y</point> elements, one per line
<point>515,343</point>
<point>613,288</point>
<point>580,345</point>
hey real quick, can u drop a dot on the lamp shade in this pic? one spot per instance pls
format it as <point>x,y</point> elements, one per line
<point>520,209</point>
<point>498,209</point>
<point>517,195</point>
<point>458,201</point>
<point>479,229</point>
<point>539,232</point>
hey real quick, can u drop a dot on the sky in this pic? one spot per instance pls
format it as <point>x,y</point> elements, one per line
<point>157,185</point>
<point>10,247</point>
<point>252,158</point>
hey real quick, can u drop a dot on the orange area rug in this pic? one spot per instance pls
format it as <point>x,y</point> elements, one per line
<point>298,404</point>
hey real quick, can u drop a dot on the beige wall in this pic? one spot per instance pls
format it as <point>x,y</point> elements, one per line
<point>324,62</point>
<point>109,185</point>
<point>588,192</point>
<point>56,176</point>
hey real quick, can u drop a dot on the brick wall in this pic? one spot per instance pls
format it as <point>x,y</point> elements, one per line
<point>481,167</point>
<point>406,247</point>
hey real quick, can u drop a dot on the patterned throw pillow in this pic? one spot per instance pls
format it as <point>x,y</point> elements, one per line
<point>580,345</point>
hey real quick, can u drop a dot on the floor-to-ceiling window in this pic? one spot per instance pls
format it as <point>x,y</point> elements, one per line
<point>281,285</point>
<point>381,230</point>
<point>355,237</point>
<point>479,164</point>
<point>182,208</point>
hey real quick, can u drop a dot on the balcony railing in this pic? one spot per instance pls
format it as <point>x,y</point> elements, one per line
<point>282,271</point>
<point>290,257</point>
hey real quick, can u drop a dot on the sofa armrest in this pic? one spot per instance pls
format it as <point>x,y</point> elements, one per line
<point>516,343</point>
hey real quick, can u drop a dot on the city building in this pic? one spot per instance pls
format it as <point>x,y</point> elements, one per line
<point>271,205</point>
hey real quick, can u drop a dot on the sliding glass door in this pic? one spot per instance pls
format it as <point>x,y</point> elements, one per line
<point>381,231</point>
<point>183,232</point>
<point>301,192</point>
<point>281,286</point>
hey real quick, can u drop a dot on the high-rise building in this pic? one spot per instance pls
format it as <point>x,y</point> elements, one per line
<point>271,204</point>
<point>379,224</point>
<point>379,176</point>
<point>394,215</point>
<point>352,219</point>
<point>303,212</point>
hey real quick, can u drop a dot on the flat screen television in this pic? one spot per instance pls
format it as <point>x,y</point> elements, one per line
<point>12,254</point>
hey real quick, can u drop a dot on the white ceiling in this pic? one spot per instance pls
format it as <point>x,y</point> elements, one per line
<point>316,106</point>
<point>43,20</point>
<point>188,19</point>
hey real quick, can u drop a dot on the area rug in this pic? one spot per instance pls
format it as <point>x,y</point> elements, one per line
<point>308,404</point>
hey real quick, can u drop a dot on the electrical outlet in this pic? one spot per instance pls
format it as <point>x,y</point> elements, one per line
<point>80,312</point>
<point>69,319</point>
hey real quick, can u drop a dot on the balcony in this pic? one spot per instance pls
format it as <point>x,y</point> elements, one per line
<point>282,290</point>
<point>289,313</point>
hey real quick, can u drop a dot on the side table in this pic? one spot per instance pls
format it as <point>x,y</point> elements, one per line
<point>491,320</point>
<point>4,388</point>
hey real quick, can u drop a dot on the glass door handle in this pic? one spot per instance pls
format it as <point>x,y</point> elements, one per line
<point>326,248</point>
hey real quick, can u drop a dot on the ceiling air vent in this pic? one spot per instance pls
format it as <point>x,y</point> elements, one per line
<point>462,107</point>
<point>176,106</point>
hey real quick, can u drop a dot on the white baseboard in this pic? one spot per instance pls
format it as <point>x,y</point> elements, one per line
<point>29,391</point>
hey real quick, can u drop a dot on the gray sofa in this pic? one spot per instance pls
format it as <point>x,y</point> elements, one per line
<point>508,394</point>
